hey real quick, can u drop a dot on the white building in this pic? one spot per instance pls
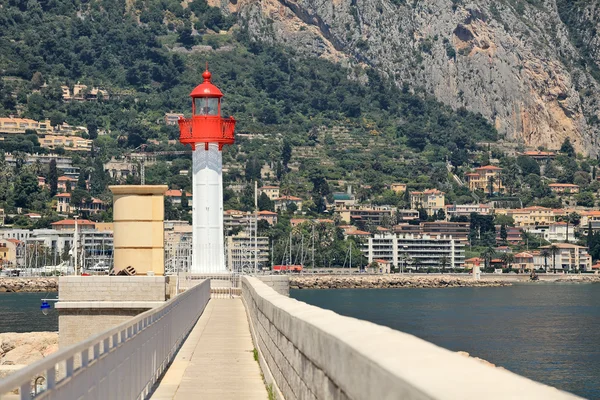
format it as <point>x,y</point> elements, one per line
<point>553,233</point>
<point>569,257</point>
<point>465,210</point>
<point>415,251</point>
<point>240,252</point>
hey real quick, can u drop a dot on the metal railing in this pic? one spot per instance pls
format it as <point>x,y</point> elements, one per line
<point>223,286</point>
<point>121,363</point>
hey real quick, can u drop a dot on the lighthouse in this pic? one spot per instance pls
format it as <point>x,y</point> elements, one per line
<point>207,132</point>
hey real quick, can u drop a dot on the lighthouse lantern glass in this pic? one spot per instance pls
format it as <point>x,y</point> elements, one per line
<point>207,106</point>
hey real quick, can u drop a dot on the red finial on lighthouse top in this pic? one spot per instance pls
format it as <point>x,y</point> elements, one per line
<point>206,88</point>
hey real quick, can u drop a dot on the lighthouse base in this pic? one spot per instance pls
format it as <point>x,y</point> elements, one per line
<point>208,255</point>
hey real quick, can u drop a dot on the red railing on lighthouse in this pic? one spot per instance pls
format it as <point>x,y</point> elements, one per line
<point>205,129</point>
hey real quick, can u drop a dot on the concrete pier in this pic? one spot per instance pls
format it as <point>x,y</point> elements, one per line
<point>216,361</point>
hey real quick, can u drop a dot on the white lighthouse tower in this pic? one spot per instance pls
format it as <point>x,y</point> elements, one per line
<point>207,132</point>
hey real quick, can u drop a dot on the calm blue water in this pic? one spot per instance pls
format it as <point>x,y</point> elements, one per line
<point>20,312</point>
<point>547,332</point>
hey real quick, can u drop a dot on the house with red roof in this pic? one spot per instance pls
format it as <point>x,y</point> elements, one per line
<point>282,203</point>
<point>175,195</point>
<point>269,216</point>
<point>69,225</point>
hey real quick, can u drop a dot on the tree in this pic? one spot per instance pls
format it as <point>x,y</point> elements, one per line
<point>26,186</point>
<point>508,259</point>
<point>252,169</point>
<point>503,234</point>
<point>444,261</point>
<point>491,182</point>
<point>81,181</point>
<point>545,253</point>
<point>441,215</point>
<point>554,250</point>
<point>487,255</point>
<point>528,165</point>
<point>53,177</point>
<point>585,199</point>
<point>286,154</point>
<point>37,81</point>
<point>185,35</point>
<point>264,203</point>
<point>184,201</point>
<point>567,148</point>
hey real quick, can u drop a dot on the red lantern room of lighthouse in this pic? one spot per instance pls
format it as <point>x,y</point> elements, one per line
<point>206,125</point>
<point>207,132</point>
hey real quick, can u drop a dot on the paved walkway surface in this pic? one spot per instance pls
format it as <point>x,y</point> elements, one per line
<point>216,361</point>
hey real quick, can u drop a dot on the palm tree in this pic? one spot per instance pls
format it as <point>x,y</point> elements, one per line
<point>554,250</point>
<point>545,253</point>
<point>417,264</point>
<point>443,263</point>
<point>487,255</point>
<point>508,259</point>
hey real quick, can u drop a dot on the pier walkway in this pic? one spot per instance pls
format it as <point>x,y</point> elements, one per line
<point>216,361</point>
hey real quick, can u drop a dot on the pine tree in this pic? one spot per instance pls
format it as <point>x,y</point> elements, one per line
<point>286,154</point>
<point>81,183</point>
<point>503,233</point>
<point>53,177</point>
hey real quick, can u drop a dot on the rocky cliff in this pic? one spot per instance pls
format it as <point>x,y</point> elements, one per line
<point>519,63</point>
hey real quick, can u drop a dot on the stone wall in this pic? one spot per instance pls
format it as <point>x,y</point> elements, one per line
<point>89,305</point>
<point>307,352</point>
<point>78,324</point>
<point>279,283</point>
<point>112,288</point>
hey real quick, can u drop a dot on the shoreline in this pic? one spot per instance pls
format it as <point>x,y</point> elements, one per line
<point>28,285</point>
<point>396,281</point>
<point>389,282</point>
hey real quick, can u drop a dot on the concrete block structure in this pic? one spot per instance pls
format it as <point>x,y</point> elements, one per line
<point>91,304</point>
<point>138,214</point>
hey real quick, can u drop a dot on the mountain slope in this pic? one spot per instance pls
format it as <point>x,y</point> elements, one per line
<point>515,62</point>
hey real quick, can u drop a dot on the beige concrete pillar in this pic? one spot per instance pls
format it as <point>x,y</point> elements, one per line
<point>138,215</point>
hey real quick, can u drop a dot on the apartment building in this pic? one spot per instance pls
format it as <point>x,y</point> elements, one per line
<point>564,188</point>
<point>415,251</point>
<point>480,179</point>
<point>365,213</point>
<point>556,232</point>
<point>431,200</point>
<point>12,125</point>
<point>465,210</point>
<point>72,143</point>
<point>530,216</point>
<point>569,257</point>
<point>241,252</point>
<point>91,206</point>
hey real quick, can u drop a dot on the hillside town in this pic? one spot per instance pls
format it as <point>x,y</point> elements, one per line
<point>398,227</point>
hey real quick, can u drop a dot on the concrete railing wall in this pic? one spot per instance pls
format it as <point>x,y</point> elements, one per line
<point>279,283</point>
<point>310,353</point>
